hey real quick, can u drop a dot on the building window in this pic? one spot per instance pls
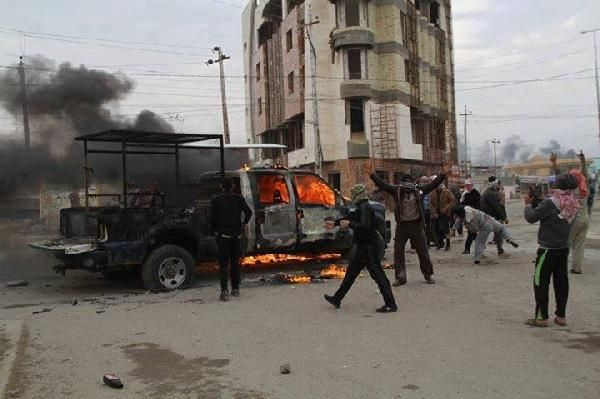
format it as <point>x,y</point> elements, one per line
<point>257,72</point>
<point>434,13</point>
<point>290,82</point>
<point>404,27</point>
<point>302,78</point>
<point>407,71</point>
<point>335,181</point>
<point>301,40</point>
<point>259,106</point>
<point>288,40</point>
<point>355,115</point>
<point>353,12</point>
<point>354,60</point>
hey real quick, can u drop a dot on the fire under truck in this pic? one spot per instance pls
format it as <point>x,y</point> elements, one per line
<point>165,243</point>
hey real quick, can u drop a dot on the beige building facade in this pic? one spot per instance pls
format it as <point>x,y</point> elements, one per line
<point>384,82</point>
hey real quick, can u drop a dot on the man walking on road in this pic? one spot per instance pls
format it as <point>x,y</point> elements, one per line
<point>409,220</point>
<point>366,238</point>
<point>442,203</point>
<point>226,223</point>
<point>490,204</point>
<point>471,198</point>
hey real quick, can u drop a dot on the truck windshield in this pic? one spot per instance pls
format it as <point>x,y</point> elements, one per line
<point>313,191</point>
<point>273,189</point>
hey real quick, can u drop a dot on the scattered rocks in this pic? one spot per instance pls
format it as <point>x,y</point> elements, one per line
<point>45,310</point>
<point>99,311</point>
<point>285,368</point>
<point>74,302</point>
<point>112,381</point>
<point>17,283</point>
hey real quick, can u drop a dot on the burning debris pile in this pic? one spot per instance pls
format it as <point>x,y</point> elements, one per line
<point>286,259</point>
<point>330,272</point>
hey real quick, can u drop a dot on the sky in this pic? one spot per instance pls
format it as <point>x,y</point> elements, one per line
<point>500,47</point>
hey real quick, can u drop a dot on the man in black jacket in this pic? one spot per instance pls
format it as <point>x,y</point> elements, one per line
<point>226,223</point>
<point>409,220</point>
<point>490,204</point>
<point>366,238</point>
<point>472,198</point>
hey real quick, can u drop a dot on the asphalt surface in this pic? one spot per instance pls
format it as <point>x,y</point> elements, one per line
<point>461,338</point>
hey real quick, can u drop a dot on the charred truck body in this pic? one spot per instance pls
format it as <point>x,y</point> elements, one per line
<point>166,243</point>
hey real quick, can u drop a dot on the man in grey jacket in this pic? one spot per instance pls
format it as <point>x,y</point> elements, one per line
<point>556,215</point>
<point>482,224</point>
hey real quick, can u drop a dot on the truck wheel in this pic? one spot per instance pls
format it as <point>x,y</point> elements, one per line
<point>167,268</point>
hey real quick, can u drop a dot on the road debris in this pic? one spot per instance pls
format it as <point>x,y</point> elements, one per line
<point>17,283</point>
<point>112,381</point>
<point>99,311</point>
<point>45,310</point>
<point>74,302</point>
<point>285,368</point>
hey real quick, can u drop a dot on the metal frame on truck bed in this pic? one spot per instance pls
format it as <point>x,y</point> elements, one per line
<point>139,142</point>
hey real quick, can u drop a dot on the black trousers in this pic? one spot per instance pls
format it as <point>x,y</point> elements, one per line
<point>414,232</point>
<point>228,254</point>
<point>469,241</point>
<point>442,228</point>
<point>427,220</point>
<point>551,263</point>
<point>366,255</point>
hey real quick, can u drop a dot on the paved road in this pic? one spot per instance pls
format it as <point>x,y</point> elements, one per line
<point>462,338</point>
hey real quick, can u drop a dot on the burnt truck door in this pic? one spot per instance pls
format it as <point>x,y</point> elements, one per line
<point>276,220</point>
<point>316,202</point>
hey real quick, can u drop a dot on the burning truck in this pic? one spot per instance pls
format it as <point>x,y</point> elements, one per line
<point>164,241</point>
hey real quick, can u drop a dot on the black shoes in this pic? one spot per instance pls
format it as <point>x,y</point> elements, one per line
<point>513,243</point>
<point>573,271</point>
<point>332,300</point>
<point>466,252</point>
<point>235,292</point>
<point>477,262</point>
<point>224,296</point>
<point>387,309</point>
<point>447,245</point>
<point>429,280</point>
<point>400,280</point>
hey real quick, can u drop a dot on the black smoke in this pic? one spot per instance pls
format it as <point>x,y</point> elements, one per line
<point>64,102</point>
<point>554,146</point>
<point>514,150</point>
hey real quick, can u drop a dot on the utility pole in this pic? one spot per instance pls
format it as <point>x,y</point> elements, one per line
<point>313,76</point>
<point>21,69</point>
<point>220,60</point>
<point>494,142</point>
<point>466,160</point>
<point>594,31</point>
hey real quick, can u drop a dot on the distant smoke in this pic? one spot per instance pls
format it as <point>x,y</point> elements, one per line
<point>554,146</point>
<point>514,150</point>
<point>63,103</point>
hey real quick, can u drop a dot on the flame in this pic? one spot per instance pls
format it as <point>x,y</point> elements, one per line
<point>295,278</point>
<point>268,186</point>
<point>388,266</point>
<point>270,259</point>
<point>312,190</point>
<point>245,168</point>
<point>333,271</point>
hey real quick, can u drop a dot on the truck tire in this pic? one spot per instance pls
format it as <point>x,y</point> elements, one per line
<point>167,268</point>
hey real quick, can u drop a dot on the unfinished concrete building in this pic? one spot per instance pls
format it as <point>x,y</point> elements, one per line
<point>384,84</point>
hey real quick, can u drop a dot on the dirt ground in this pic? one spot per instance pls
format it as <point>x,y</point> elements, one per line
<point>461,338</point>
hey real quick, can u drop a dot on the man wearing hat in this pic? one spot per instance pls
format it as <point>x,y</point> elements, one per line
<point>409,216</point>
<point>366,238</point>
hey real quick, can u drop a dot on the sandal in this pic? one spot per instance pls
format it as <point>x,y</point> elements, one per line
<point>536,322</point>
<point>560,321</point>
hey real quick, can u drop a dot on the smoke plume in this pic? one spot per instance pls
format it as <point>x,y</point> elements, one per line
<point>64,102</point>
<point>554,146</point>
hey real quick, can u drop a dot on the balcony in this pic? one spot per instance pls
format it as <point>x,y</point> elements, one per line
<point>355,36</point>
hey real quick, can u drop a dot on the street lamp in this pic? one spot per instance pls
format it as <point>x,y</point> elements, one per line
<point>494,142</point>
<point>593,31</point>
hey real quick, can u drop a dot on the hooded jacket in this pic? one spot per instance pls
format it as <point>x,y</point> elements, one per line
<point>554,231</point>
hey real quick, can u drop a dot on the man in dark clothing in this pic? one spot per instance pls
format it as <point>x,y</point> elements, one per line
<point>425,205</point>
<point>556,215</point>
<point>226,223</point>
<point>472,198</point>
<point>365,237</point>
<point>409,220</point>
<point>442,203</point>
<point>490,204</point>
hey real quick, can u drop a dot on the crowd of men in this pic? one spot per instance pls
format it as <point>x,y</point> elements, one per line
<point>426,214</point>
